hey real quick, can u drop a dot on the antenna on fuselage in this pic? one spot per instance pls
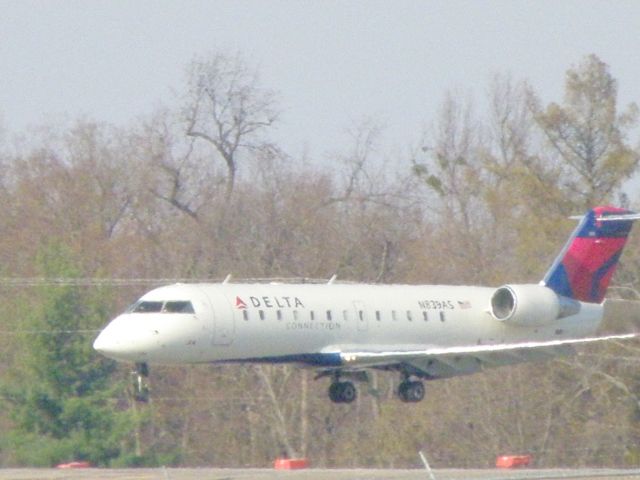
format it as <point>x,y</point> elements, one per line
<point>227,279</point>
<point>332,279</point>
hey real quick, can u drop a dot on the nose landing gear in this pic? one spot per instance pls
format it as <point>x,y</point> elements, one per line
<point>139,383</point>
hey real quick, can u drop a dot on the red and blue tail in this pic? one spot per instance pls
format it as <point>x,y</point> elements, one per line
<point>586,264</point>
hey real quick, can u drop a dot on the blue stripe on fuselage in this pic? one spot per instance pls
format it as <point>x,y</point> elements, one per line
<point>311,359</point>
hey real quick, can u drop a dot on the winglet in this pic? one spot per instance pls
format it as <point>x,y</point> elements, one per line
<point>587,262</point>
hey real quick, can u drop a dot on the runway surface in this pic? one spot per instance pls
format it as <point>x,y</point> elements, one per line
<point>310,474</point>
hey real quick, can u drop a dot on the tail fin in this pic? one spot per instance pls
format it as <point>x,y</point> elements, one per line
<point>587,262</point>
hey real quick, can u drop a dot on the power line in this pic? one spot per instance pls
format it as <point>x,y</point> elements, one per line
<point>90,281</point>
<point>47,332</point>
<point>127,282</point>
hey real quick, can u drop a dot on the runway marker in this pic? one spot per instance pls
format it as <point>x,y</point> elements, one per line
<point>426,465</point>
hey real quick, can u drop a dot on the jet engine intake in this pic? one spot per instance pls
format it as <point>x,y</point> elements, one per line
<point>526,305</point>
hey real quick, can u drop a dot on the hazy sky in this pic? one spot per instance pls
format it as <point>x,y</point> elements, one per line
<point>333,62</point>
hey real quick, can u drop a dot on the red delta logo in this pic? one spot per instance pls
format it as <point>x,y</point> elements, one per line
<point>270,302</point>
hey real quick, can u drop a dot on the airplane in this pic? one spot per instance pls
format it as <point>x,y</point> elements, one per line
<point>422,332</point>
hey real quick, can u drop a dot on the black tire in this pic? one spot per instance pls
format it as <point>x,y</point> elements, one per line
<point>142,369</point>
<point>348,392</point>
<point>334,392</point>
<point>142,396</point>
<point>342,392</point>
<point>415,392</point>
<point>403,391</point>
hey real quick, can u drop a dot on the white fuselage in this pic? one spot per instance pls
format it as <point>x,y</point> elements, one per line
<point>297,322</point>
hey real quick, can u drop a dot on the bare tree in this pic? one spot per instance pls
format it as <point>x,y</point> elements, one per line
<point>164,149</point>
<point>226,107</point>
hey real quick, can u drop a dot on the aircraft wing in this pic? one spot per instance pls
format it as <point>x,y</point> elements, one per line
<point>443,362</point>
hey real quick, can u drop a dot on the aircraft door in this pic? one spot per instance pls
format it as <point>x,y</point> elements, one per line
<point>222,321</point>
<point>361,316</point>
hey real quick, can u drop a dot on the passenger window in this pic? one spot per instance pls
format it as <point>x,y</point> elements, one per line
<point>295,314</point>
<point>147,307</point>
<point>261,314</point>
<point>361,315</point>
<point>345,315</point>
<point>409,317</point>
<point>178,307</point>
<point>329,315</point>
<point>378,318</point>
<point>312,315</point>
<point>425,316</point>
<point>245,314</point>
<point>442,316</point>
<point>279,314</point>
<point>393,315</point>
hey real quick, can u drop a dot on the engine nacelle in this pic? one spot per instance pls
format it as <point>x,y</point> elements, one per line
<point>526,305</point>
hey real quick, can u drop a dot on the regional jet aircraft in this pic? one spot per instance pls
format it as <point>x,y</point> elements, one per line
<point>423,332</point>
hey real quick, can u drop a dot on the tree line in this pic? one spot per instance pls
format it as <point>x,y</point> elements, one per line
<point>201,190</point>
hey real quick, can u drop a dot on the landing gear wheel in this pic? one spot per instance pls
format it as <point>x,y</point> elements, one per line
<point>142,369</point>
<point>334,392</point>
<point>402,391</point>
<point>416,391</point>
<point>342,392</point>
<point>411,391</point>
<point>348,393</point>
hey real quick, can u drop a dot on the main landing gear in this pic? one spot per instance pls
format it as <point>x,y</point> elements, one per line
<point>342,392</point>
<point>139,383</point>
<point>411,391</point>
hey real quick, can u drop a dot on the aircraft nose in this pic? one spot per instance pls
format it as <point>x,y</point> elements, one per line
<point>109,344</point>
<point>120,342</point>
<point>104,343</point>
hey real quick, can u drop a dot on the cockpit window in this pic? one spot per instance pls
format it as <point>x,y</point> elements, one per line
<point>147,307</point>
<point>178,307</point>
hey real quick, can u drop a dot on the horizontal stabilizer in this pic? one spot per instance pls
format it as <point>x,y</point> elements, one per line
<point>625,217</point>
